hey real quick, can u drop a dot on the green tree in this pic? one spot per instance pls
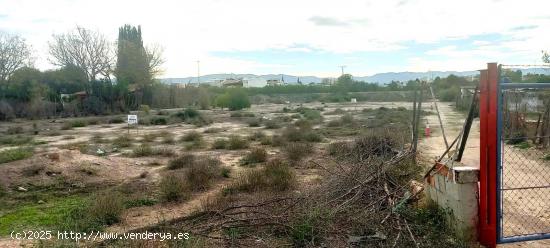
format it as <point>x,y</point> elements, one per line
<point>234,99</point>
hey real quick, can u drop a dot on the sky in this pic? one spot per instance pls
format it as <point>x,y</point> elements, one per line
<point>301,37</point>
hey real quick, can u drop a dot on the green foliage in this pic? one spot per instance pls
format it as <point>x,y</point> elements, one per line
<point>122,141</point>
<point>144,108</point>
<point>139,202</point>
<point>15,140</point>
<point>14,154</point>
<point>233,99</point>
<point>272,124</point>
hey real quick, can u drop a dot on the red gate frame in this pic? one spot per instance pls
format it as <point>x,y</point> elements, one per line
<point>488,123</point>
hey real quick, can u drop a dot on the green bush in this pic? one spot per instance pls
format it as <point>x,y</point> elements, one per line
<point>10,155</point>
<point>173,187</point>
<point>15,130</point>
<point>15,140</point>
<point>256,155</point>
<point>233,99</point>
<point>236,142</point>
<point>159,120</point>
<point>347,119</point>
<point>116,120</point>
<point>79,123</point>
<point>256,136</point>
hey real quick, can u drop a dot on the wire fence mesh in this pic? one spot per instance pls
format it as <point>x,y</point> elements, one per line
<point>525,178</point>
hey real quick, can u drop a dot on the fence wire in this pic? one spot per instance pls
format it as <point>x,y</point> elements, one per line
<point>525,178</point>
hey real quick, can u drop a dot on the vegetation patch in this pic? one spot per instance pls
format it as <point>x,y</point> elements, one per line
<point>14,154</point>
<point>275,176</point>
<point>256,155</point>
<point>295,151</point>
<point>237,142</point>
<point>173,187</point>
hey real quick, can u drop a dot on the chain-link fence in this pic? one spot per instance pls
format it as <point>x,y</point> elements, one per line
<point>525,160</point>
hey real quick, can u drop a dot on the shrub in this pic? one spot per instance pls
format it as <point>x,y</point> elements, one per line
<point>258,135</point>
<point>6,111</point>
<point>15,154</point>
<point>201,174</point>
<point>168,139</point>
<point>267,140</point>
<point>254,122</point>
<point>277,140</point>
<point>173,188</point>
<point>142,151</point>
<point>15,130</point>
<point>233,99</point>
<point>107,208</point>
<point>347,119</point>
<point>159,120</point>
<point>334,123</point>
<point>144,108</point>
<point>183,161</point>
<point>15,140</point>
<point>213,130</point>
<point>116,120</point>
<point>226,173</point>
<point>236,142</point>
<point>192,136</point>
<point>303,124</point>
<point>123,141</point>
<point>311,114</point>
<point>220,143</point>
<point>295,151</point>
<point>151,137</point>
<point>197,144</point>
<point>312,136</point>
<point>275,176</point>
<point>272,124</point>
<point>79,123</point>
<point>256,155</point>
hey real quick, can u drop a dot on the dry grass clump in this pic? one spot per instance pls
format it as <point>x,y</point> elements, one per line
<point>257,136</point>
<point>173,187</point>
<point>272,124</point>
<point>183,161</point>
<point>202,173</point>
<point>123,141</point>
<point>107,208</point>
<point>293,134</point>
<point>145,150</point>
<point>220,143</point>
<point>296,151</point>
<point>236,143</point>
<point>192,136</point>
<point>275,176</point>
<point>256,155</point>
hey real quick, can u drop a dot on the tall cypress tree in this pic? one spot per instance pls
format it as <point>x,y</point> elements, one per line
<point>132,64</point>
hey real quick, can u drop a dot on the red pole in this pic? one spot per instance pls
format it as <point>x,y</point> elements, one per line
<point>488,100</point>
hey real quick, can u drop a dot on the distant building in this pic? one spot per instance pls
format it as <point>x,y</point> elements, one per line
<point>274,82</point>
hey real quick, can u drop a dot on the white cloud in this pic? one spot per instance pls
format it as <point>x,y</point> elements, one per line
<point>193,29</point>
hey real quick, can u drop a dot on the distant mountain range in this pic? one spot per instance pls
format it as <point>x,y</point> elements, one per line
<point>380,78</point>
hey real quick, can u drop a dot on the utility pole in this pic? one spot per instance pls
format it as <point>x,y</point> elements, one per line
<point>198,72</point>
<point>342,67</point>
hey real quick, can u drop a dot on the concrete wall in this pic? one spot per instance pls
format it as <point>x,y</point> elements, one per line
<point>454,187</point>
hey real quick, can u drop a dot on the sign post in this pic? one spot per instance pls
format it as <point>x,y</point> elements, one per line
<point>132,120</point>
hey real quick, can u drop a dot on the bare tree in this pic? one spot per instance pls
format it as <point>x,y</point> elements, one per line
<point>154,59</point>
<point>86,49</point>
<point>14,54</point>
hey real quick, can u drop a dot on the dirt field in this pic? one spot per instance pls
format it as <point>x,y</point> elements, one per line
<point>78,162</point>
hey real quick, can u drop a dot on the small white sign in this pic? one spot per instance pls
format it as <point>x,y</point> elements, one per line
<point>353,100</point>
<point>132,119</point>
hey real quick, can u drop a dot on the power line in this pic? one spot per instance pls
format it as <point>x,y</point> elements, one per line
<point>342,67</point>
